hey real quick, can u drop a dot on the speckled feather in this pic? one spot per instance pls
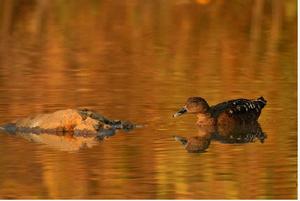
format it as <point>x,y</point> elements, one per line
<point>238,107</point>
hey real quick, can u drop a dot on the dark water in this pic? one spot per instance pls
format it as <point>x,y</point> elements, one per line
<point>139,61</point>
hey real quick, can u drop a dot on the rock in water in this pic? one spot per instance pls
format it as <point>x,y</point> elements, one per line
<point>69,120</point>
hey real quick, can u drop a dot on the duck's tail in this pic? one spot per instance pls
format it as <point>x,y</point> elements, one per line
<point>261,101</point>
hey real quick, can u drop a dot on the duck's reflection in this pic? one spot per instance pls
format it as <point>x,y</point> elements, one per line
<point>246,133</point>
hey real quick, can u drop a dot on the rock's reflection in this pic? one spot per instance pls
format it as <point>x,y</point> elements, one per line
<point>223,133</point>
<point>68,141</point>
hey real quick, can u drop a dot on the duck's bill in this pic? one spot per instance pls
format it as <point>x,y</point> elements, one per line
<point>180,112</point>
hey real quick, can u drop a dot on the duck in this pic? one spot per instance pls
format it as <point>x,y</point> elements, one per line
<point>79,121</point>
<point>230,113</point>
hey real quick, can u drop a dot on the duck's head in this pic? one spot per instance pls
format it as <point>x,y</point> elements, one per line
<point>193,105</point>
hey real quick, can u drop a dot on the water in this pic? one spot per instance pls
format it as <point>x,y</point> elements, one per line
<point>139,61</point>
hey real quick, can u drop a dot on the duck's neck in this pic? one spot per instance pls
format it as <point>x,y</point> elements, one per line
<point>205,119</point>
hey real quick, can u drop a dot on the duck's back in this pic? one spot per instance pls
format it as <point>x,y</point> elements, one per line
<point>239,109</point>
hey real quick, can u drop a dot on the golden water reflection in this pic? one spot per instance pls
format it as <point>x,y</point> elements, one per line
<point>139,60</point>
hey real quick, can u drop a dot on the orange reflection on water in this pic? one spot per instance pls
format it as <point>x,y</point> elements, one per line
<point>139,60</point>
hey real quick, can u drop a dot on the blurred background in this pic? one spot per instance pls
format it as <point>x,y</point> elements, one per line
<point>139,60</point>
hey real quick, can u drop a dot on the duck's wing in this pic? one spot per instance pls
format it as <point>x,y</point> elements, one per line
<point>239,106</point>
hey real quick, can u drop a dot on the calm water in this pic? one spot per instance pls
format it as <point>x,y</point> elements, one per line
<point>139,61</point>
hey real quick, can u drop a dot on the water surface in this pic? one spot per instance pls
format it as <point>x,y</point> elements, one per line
<point>139,61</point>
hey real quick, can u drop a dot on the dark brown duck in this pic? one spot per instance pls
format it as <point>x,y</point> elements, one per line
<point>238,111</point>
